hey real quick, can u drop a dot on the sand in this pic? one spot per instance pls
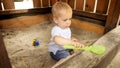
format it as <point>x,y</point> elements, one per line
<point>23,54</point>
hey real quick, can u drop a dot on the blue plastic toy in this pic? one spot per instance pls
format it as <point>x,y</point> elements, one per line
<point>35,42</point>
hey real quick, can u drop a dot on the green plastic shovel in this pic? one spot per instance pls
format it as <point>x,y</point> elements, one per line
<point>94,49</point>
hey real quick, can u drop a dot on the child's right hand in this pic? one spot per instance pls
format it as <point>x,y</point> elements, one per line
<point>77,44</point>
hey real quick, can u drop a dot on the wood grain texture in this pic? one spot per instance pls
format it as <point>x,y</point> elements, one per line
<point>113,15</point>
<point>64,1</point>
<point>8,4</point>
<point>88,26</point>
<point>4,60</point>
<point>79,4</point>
<point>45,3</point>
<point>89,5</point>
<point>0,6</point>
<point>102,6</point>
<point>53,2</point>
<point>71,3</point>
<point>23,21</point>
<point>36,3</point>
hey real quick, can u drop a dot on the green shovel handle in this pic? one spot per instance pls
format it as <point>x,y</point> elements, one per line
<point>77,48</point>
<point>94,49</point>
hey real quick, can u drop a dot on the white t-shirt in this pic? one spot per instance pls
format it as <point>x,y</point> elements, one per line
<point>57,31</point>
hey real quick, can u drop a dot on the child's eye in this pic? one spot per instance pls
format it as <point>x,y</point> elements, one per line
<point>66,19</point>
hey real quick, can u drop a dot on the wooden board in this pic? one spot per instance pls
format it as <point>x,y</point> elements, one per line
<point>89,5</point>
<point>4,60</point>
<point>90,15</point>
<point>64,1</point>
<point>8,4</point>
<point>88,26</point>
<point>23,21</point>
<point>113,15</point>
<point>36,3</point>
<point>45,3</point>
<point>79,4</point>
<point>53,2</point>
<point>71,3</point>
<point>102,6</point>
<point>0,6</point>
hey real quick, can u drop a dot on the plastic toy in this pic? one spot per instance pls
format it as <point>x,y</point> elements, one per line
<point>35,42</point>
<point>94,49</point>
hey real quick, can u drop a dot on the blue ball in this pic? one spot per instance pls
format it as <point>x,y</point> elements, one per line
<point>37,43</point>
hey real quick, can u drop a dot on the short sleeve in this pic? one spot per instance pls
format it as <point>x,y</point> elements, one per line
<point>55,32</point>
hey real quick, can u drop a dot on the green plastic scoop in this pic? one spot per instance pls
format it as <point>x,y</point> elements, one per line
<point>94,49</point>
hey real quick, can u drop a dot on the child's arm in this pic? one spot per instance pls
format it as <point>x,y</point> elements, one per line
<point>77,42</point>
<point>63,41</point>
<point>74,39</point>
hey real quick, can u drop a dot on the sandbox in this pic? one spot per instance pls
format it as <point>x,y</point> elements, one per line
<point>23,54</point>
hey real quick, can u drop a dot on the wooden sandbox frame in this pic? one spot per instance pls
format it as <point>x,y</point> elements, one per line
<point>110,22</point>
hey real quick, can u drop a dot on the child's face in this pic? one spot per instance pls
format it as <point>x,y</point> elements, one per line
<point>64,21</point>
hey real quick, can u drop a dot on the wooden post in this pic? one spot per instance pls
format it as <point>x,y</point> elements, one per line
<point>45,3</point>
<point>0,5</point>
<point>8,4</point>
<point>52,2</point>
<point>79,4</point>
<point>90,5</point>
<point>113,15</point>
<point>64,1</point>
<point>37,3</point>
<point>71,3</point>
<point>4,60</point>
<point>102,6</point>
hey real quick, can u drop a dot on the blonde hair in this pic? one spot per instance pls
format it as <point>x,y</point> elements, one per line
<point>59,8</point>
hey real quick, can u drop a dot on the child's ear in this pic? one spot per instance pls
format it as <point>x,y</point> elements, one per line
<point>55,20</point>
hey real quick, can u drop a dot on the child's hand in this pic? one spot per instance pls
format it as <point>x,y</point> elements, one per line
<point>74,39</point>
<point>77,44</point>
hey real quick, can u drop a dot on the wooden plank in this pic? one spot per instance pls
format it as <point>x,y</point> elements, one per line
<point>4,60</point>
<point>53,2</point>
<point>45,3</point>
<point>113,15</point>
<point>79,4</point>
<point>102,6</point>
<point>88,26</point>
<point>89,5</point>
<point>34,10</point>
<point>64,1</point>
<point>36,3</point>
<point>48,10</point>
<point>108,58</point>
<point>0,5</point>
<point>71,3</point>
<point>23,21</point>
<point>8,14</point>
<point>90,15</point>
<point>66,59</point>
<point>8,4</point>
